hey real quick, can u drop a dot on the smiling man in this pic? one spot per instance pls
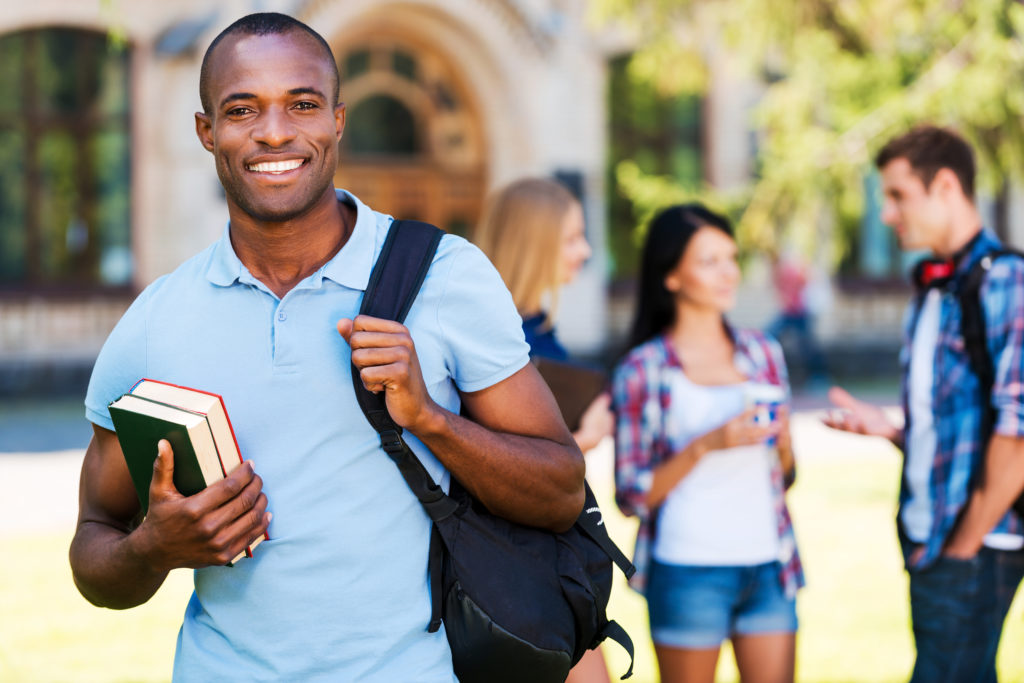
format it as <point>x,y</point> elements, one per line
<point>961,542</point>
<point>266,317</point>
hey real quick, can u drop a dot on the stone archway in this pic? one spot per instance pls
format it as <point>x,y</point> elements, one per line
<point>414,142</point>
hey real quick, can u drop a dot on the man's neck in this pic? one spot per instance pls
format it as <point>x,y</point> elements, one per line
<point>280,255</point>
<point>963,228</point>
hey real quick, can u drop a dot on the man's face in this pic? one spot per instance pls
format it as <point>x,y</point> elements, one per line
<point>918,215</point>
<point>274,129</point>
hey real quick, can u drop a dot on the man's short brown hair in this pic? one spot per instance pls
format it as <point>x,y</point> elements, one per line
<point>929,149</point>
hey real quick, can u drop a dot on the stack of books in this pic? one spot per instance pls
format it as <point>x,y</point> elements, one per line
<point>194,422</point>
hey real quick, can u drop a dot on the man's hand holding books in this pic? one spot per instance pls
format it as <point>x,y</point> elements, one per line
<point>212,527</point>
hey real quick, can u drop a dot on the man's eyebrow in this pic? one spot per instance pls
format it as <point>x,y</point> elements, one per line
<point>307,91</point>
<point>237,96</point>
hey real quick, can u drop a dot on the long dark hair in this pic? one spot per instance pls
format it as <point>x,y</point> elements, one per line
<point>667,238</point>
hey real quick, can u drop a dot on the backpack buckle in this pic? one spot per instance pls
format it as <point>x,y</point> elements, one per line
<point>391,442</point>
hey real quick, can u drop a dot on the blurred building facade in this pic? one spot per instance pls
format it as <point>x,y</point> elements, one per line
<point>104,186</point>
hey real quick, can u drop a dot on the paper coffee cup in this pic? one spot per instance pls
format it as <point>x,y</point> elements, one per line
<point>767,399</point>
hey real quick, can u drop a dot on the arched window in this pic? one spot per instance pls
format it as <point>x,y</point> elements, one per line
<point>381,125</point>
<point>64,161</point>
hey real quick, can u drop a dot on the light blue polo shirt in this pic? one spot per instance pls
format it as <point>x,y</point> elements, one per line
<point>340,591</point>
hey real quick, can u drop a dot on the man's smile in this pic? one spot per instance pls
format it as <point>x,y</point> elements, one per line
<point>275,167</point>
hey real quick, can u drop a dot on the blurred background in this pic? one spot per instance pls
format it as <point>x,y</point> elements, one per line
<point>767,110</point>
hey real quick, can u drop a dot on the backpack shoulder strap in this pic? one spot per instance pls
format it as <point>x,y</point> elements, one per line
<point>400,270</point>
<point>972,316</point>
<point>394,283</point>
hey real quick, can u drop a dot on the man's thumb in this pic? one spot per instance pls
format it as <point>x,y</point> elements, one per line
<point>163,468</point>
<point>345,327</point>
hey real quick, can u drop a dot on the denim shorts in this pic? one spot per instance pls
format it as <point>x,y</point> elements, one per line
<point>698,607</point>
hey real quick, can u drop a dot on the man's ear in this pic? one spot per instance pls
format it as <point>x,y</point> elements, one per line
<point>946,183</point>
<point>339,119</point>
<point>204,130</point>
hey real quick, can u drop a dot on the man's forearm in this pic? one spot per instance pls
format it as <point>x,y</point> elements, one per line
<point>1001,484</point>
<point>108,569</point>
<point>526,479</point>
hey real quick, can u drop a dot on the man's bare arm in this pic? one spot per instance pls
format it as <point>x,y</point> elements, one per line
<point>1001,485</point>
<point>515,455</point>
<point>119,565</point>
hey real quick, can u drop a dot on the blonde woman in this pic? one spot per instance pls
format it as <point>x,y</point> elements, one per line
<point>533,232</point>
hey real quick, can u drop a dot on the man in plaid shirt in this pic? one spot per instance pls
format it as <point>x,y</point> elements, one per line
<point>961,542</point>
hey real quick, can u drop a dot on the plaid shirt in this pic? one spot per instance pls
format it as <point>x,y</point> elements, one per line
<point>641,396</point>
<point>956,404</point>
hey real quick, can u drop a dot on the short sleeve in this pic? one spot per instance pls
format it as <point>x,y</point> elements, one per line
<point>481,327</point>
<point>121,363</point>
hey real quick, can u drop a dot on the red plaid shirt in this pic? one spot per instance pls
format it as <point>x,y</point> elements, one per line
<point>641,396</point>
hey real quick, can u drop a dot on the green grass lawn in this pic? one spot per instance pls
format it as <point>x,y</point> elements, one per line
<point>854,621</point>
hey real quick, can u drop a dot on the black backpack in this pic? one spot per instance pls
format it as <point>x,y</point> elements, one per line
<point>518,603</point>
<point>972,327</point>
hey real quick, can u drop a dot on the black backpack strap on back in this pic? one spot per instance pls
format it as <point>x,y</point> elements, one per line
<point>975,333</point>
<point>396,279</point>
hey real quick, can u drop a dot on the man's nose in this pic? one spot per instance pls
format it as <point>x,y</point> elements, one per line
<point>889,213</point>
<point>275,128</point>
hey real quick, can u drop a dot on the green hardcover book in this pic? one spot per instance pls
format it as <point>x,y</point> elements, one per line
<point>141,423</point>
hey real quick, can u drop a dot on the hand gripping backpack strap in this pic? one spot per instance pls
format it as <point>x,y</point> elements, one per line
<point>396,279</point>
<point>394,282</point>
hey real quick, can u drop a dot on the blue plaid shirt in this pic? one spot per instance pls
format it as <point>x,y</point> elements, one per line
<point>956,404</point>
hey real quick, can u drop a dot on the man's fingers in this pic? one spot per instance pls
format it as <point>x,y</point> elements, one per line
<point>377,357</point>
<point>365,323</point>
<point>221,520</point>
<point>362,339</point>
<point>234,485</point>
<point>251,523</point>
<point>379,377</point>
<point>842,398</point>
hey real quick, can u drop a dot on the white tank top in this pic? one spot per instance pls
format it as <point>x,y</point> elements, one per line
<point>723,511</point>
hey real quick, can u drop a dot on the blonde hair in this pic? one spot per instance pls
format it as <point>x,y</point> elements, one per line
<point>521,232</point>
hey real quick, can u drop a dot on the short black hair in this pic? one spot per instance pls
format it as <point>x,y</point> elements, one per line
<point>262,24</point>
<point>929,149</point>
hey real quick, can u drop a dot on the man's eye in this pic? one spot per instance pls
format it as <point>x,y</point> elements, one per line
<point>304,106</point>
<point>238,111</point>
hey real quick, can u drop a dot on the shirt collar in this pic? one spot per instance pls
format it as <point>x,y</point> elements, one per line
<point>350,267</point>
<point>978,246</point>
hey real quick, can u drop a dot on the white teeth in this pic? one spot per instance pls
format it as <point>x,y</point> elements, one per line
<point>275,166</point>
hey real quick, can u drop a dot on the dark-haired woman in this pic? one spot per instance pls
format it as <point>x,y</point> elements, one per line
<point>715,554</point>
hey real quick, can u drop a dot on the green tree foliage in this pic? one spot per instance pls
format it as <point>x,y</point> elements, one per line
<point>839,78</point>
